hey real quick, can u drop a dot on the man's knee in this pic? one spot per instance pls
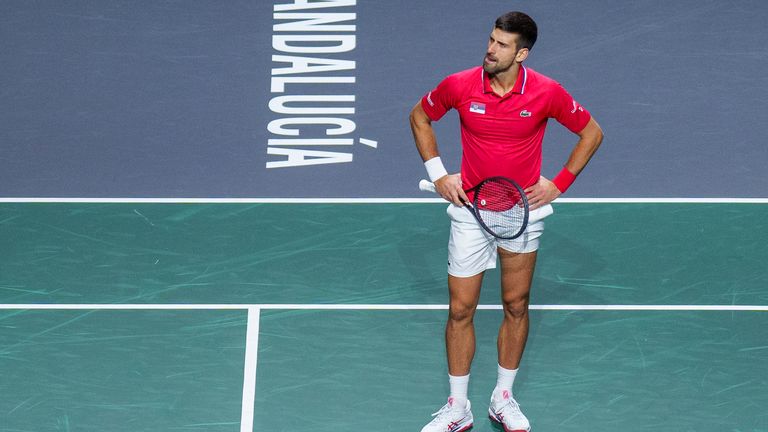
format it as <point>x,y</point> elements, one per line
<point>516,307</point>
<point>461,312</point>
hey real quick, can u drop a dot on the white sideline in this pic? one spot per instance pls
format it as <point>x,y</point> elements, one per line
<point>268,306</point>
<point>366,200</point>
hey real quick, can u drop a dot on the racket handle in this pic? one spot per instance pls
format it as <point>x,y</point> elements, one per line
<point>427,186</point>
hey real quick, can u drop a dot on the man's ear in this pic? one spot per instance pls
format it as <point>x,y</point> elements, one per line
<point>521,55</point>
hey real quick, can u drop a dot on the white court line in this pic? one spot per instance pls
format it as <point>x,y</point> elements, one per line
<point>268,306</point>
<point>222,200</point>
<point>367,200</point>
<point>249,374</point>
<point>663,200</point>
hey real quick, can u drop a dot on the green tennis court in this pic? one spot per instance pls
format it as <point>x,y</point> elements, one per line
<point>271,316</point>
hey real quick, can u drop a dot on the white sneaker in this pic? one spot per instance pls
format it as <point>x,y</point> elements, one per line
<point>505,410</point>
<point>450,419</point>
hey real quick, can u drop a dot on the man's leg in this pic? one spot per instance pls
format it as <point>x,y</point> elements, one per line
<point>460,329</point>
<point>470,253</point>
<point>460,349</point>
<point>516,276</point>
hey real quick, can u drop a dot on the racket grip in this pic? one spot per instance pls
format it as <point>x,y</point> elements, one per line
<point>427,186</point>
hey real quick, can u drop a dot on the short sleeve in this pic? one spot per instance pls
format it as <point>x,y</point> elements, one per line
<point>440,100</point>
<point>565,109</point>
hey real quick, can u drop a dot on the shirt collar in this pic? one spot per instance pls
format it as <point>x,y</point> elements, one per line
<point>519,87</point>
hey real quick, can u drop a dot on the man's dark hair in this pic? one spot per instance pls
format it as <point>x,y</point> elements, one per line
<point>520,23</point>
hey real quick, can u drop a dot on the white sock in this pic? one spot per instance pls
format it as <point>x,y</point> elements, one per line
<point>505,380</point>
<point>459,387</point>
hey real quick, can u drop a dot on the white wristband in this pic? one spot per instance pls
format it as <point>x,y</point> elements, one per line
<point>435,168</point>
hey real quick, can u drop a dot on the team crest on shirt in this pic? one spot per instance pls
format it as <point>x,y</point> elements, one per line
<point>477,107</point>
<point>525,113</point>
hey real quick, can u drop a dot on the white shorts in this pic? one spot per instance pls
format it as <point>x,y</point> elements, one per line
<point>471,250</point>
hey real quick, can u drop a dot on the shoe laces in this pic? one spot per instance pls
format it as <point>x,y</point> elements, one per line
<point>445,411</point>
<point>510,408</point>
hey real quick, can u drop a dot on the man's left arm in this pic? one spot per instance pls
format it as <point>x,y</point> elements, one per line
<point>545,191</point>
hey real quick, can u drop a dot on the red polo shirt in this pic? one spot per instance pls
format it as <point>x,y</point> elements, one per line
<point>502,135</point>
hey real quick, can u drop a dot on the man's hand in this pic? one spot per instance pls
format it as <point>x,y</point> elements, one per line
<point>449,187</point>
<point>542,193</point>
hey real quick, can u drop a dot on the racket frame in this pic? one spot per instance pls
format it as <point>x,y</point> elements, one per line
<point>526,209</point>
<point>428,186</point>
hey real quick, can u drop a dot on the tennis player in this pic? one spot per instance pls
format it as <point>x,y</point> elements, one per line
<point>503,107</point>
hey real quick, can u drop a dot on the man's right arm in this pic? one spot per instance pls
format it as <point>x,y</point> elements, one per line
<point>447,186</point>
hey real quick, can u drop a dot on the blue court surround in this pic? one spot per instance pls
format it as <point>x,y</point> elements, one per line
<point>169,99</point>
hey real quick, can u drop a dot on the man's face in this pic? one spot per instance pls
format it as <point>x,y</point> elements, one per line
<point>502,52</point>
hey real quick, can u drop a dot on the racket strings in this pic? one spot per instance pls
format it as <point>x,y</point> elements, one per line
<point>501,207</point>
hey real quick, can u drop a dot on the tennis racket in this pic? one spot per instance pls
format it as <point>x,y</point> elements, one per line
<point>499,205</point>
